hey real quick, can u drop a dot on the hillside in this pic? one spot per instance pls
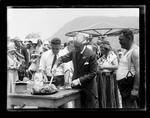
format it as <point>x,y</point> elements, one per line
<point>87,22</point>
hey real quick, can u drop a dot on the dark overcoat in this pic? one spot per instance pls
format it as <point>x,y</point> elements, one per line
<point>85,68</point>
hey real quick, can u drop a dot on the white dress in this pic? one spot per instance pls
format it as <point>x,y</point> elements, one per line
<point>12,75</point>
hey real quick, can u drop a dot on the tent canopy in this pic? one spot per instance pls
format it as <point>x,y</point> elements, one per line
<point>100,32</point>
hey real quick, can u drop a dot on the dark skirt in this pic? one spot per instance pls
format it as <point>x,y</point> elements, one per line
<point>107,90</point>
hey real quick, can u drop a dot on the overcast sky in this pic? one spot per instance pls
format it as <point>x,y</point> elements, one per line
<point>47,21</point>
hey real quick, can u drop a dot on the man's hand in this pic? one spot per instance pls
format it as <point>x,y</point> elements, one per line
<point>75,82</point>
<point>135,92</point>
<point>54,69</point>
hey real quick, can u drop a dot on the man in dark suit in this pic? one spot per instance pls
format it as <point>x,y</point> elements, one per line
<point>84,76</point>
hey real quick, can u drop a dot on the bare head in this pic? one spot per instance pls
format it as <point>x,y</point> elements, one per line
<point>126,38</point>
<point>55,45</point>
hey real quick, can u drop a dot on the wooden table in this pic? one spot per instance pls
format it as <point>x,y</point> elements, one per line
<point>46,101</point>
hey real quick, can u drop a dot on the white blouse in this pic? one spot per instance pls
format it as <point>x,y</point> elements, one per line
<point>110,60</point>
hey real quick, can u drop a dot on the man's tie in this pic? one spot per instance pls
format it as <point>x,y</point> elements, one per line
<point>54,60</point>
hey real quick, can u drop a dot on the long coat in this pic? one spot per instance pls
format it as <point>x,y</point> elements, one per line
<point>85,68</point>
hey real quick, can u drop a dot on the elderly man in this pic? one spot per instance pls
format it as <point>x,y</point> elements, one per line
<point>84,76</point>
<point>128,66</point>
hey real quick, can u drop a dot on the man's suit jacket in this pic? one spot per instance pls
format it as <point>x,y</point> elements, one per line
<point>85,68</point>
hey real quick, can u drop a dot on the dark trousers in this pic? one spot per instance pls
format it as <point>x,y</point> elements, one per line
<point>125,86</point>
<point>88,100</point>
<point>128,102</point>
<point>57,80</point>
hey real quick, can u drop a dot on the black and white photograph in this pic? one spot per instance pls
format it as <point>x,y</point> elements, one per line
<point>74,58</point>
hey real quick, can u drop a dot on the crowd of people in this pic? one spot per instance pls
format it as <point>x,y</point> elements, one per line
<point>95,68</point>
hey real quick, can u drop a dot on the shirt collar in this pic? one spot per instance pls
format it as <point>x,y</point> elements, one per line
<point>83,50</point>
<point>53,53</point>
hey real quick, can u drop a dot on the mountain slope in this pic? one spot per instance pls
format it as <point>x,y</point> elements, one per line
<point>87,22</point>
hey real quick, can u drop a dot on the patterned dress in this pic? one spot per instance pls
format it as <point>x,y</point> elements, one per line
<point>107,84</point>
<point>12,73</point>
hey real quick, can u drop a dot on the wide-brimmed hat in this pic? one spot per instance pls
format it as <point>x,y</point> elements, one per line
<point>27,41</point>
<point>34,40</point>
<point>11,47</point>
<point>16,39</point>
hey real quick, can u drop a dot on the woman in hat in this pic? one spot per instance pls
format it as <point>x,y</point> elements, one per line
<point>24,58</point>
<point>13,65</point>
